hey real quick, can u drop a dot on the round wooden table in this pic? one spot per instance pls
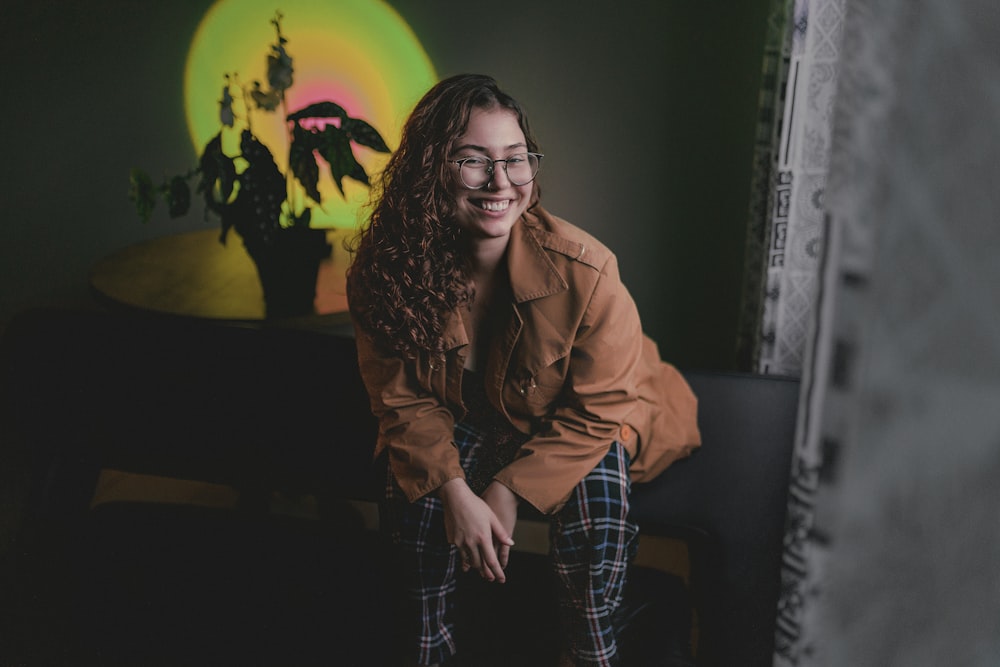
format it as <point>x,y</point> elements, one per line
<point>193,275</point>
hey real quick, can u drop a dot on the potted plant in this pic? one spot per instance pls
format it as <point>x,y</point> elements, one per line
<point>242,185</point>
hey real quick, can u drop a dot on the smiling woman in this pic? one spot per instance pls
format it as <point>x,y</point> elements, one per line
<point>506,364</point>
<point>359,53</point>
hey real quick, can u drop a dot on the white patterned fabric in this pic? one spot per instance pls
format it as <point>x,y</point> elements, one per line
<point>797,215</point>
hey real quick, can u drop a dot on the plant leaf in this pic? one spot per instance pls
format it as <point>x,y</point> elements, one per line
<point>257,210</point>
<point>279,68</point>
<point>362,133</point>
<point>178,195</point>
<point>335,147</point>
<point>226,115</point>
<point>302,220</point>
<point>216,167</point>
<point>268,100</point>
<point>320,110</point>
<point>141,193</point>
<point>302,161</point>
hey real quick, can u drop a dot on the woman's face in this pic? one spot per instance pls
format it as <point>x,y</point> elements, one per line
<point>490,212</point>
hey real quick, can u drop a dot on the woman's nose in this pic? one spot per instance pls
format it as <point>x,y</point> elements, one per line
<point>499,171</point>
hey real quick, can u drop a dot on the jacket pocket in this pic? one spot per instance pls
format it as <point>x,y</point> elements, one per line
<point>537,391</point>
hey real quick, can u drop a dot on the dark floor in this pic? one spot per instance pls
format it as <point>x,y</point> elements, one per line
<point>165,585</point>
<point>174,585</point>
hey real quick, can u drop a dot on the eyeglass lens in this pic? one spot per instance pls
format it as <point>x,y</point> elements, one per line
<point>521,169</point>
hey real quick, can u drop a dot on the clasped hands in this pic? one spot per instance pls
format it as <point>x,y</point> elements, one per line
<point>481,527</point>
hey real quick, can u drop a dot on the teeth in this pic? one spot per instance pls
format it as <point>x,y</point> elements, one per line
<point>495,206</point>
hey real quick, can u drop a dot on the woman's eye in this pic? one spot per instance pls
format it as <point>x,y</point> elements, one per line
<point>515,159</point>
<point>474,163</point>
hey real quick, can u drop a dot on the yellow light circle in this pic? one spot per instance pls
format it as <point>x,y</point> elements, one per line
<point>358,53</point>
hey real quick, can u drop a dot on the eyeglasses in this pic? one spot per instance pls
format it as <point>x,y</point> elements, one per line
<point>477,171</point>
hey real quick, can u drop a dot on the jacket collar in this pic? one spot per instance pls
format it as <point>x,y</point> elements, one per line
<point>454,334</point>
<point>532,273</point>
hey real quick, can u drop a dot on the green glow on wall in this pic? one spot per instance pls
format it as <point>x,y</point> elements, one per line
<point>358,53</point>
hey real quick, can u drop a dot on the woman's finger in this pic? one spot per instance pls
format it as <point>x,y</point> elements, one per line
<point>503,554</point>
<point>491,570</point>
<point>466,558</point>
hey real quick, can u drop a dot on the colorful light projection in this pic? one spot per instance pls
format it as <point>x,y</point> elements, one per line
<point>358,53</point>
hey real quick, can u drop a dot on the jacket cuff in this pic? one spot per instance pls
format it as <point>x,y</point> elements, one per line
<point>417,489</point>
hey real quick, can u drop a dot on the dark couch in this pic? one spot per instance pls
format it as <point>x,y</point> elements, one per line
<point>271,410</point>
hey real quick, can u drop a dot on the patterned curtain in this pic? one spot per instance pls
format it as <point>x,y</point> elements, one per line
<point>771,104</point>
<point>781,277</point>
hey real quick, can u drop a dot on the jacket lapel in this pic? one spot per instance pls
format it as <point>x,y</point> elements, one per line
<point>532,273</point>
<point>533,277</point>
<point>454,332</point>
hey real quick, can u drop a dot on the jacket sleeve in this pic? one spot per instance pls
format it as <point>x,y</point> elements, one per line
<point>666,416</point>
<point>414,427</point>
<point>599,394</point>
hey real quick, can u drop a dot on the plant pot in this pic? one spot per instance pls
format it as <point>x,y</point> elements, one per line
<point>287,266</point>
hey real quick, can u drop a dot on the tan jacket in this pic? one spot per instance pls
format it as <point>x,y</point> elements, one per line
<point>571,368</point>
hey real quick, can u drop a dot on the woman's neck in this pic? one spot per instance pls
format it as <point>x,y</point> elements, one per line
<point>488,276</point>
<point>486,255</point>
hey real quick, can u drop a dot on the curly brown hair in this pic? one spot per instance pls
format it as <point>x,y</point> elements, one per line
<point>410,268</point>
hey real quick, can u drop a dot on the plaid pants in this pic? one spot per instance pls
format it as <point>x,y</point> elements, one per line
<point>592,543</point>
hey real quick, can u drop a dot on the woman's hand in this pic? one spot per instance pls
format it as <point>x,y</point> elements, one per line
<point>504,503</point>
<point>473,526</point>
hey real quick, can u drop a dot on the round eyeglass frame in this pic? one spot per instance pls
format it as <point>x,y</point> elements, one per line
<point>491,168</point>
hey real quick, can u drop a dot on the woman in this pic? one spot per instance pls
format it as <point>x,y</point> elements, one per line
<point>506,363</point>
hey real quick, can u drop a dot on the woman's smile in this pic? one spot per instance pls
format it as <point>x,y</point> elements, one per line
<point>495,206</point>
